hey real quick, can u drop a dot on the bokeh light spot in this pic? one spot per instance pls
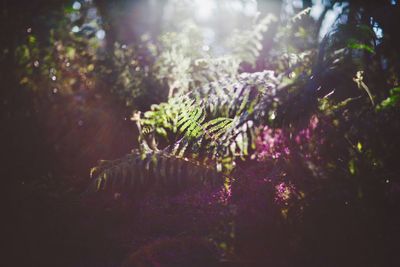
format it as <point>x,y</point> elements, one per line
<point>76,5</point>
<point>100,34</point>
<point>75,29</point>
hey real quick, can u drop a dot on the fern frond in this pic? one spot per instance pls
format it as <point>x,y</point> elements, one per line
<point>189,121</point>
<point>214,123</point>
<point>247,44</point>
<point>137,172</point>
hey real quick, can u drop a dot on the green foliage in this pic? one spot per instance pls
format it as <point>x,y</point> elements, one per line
<point>246,45</point>
<point>392,100</point>
<point>184,62</point>
<point>359,36</point>
<point>141,171</point>
<point>179,61</point>
<point>208,114</point>
<point>177,55</point>
<point>212,125</point>
<point>353,44</point>
<point>205,116</point>
<point>218,117</point>
<point>203,110</point>
<point>130,74</point>
<point>62,61</point>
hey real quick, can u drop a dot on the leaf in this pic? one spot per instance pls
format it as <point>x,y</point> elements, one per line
<point>392,100</point>
<point>352,167</point>
<point>359,147</point>
<point>161,131</point>
<point>138,168</point>
<point>354,44</point>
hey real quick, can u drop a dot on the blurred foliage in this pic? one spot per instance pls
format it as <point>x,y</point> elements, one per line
<point>392,101</point>
<point>273,165</point>
<point>184,61</point>
<point>62,62</point>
